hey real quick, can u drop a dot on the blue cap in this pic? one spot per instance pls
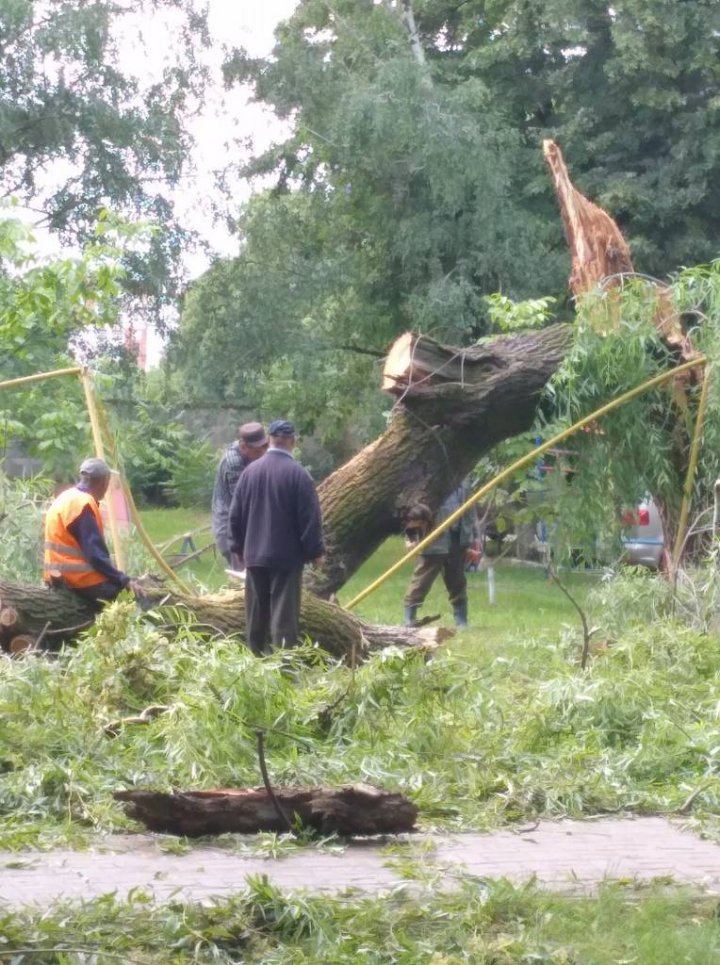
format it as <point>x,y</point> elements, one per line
<point>281,428</point>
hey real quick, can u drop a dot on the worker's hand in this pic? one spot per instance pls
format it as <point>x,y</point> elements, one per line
<point>137,588</point>
<point>319,560</point>
<point>236,562</point>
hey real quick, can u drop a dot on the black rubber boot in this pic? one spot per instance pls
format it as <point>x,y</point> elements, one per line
<point>460,613</point>
<point>410,615</point>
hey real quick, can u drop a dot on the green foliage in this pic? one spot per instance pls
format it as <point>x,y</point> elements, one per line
<point>394,209</point>
<point>635,731</point>
<point>48,307</point>
<point>642,447</point>
<point>21,520</point>
<point>79,131</point>
<point>412,184</point>
<point>505,315</point>
<point>627,89</point>
<point>500,726</point>
<point>476,921</point>
<point>164,463</point>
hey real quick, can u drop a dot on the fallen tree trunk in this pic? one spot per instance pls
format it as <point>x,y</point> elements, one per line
<point>351,809</point>
<point>55,616</point>
<point>452,406</point>
<point>39,613</point>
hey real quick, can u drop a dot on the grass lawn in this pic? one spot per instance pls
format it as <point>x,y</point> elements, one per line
<point>476,922</point>
<point>163,525</point>
<point>526,602</point>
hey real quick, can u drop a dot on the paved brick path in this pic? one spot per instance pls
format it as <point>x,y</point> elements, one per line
<point>572,855</point>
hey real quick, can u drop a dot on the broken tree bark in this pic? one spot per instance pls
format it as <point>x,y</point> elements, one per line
<point>600,256</point>
<point>351,809</point>
<point>597,247</point>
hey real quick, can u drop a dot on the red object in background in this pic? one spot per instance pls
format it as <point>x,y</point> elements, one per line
<point>641,518</point>
<point>472,556</point>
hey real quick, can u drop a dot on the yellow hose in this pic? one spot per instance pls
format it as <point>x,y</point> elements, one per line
<point>28,379</point>
<point>91,403</point>
<point>521,464</point>
<point>692,467</point>
<point>142,532</point>
<point>149,543</point>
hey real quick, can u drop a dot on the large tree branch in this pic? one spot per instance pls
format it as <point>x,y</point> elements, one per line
<point>452,406</point>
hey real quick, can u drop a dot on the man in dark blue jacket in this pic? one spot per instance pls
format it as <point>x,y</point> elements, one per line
<point>275,529</point>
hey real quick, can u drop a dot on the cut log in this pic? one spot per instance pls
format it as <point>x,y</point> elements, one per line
<point>36,606</point>
<point>21,643</point>
<point>8,617</point>
<point>352,809</point>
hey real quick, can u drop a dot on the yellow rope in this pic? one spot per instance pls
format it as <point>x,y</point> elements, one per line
<point>521,464</point>
<point>149,543</point>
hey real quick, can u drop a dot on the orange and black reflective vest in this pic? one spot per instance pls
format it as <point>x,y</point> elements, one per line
<point>63,556</point>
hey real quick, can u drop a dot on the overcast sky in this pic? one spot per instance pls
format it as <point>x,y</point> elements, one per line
<point>229,114</point>
<point>145,49</point>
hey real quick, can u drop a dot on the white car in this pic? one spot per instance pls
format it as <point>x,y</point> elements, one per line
<point>643,538</point>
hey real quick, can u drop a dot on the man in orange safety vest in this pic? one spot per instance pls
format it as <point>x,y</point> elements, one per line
<point>76,554</point>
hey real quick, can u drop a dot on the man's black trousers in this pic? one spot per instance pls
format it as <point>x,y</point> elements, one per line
<point>272,607</point>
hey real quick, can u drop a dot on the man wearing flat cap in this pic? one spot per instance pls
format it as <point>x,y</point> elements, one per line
<point>275,529</point>
<point>76,554</point>
<point>251,443</point>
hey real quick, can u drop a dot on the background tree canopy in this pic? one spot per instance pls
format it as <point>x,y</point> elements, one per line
<point>413,186</point>
<point>79,132</point>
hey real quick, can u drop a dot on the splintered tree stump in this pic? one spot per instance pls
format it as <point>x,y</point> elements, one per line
<point>351,809</point>
<point>601,258</point>
<point>601,261</point>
